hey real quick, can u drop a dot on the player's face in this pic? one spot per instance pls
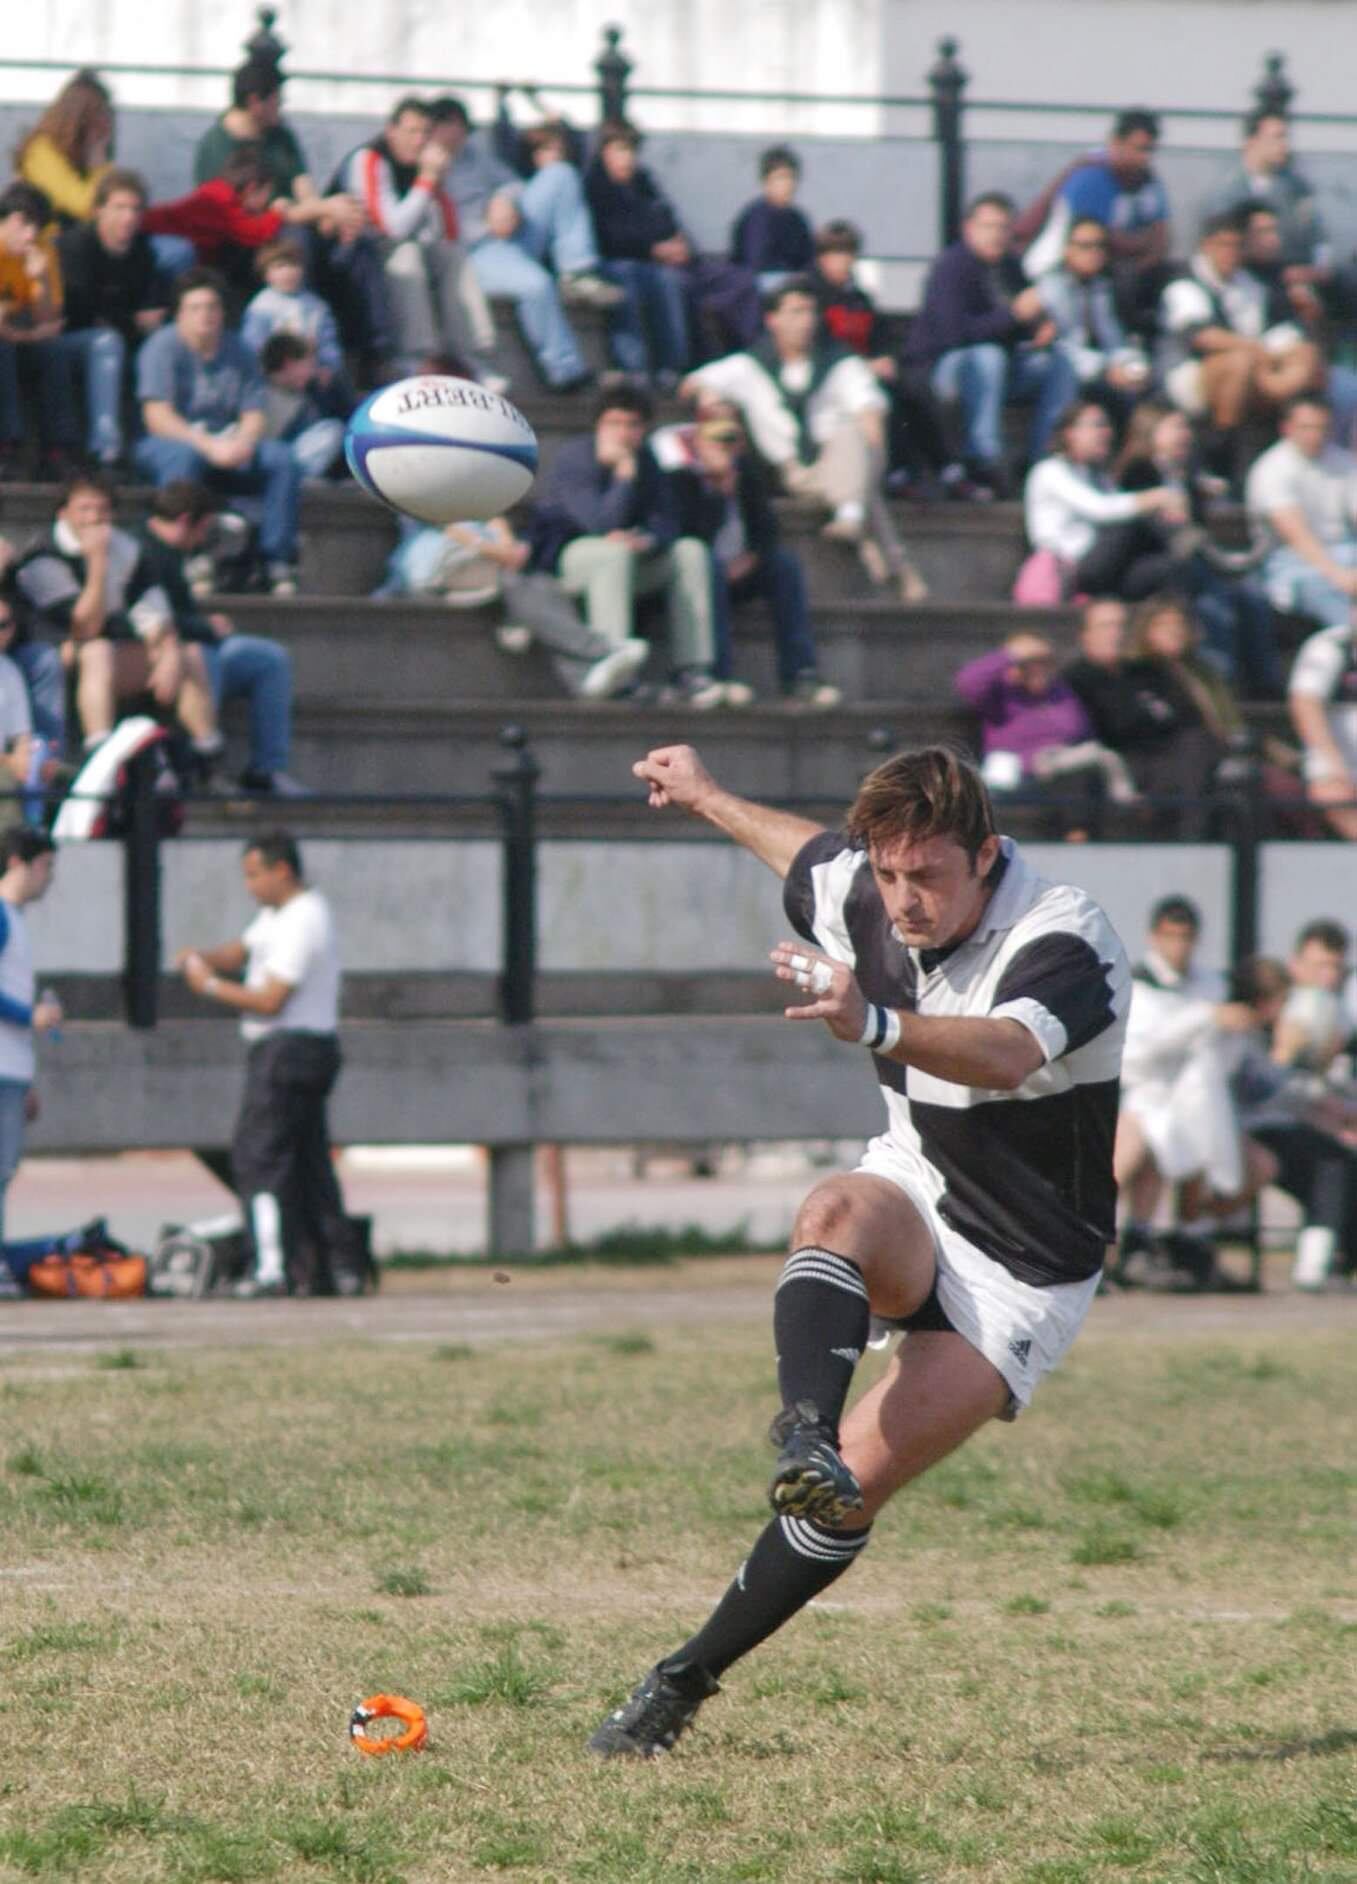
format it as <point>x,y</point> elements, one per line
<point>1315,966</point>
<point>932,891</point>
<point>1176,942</point>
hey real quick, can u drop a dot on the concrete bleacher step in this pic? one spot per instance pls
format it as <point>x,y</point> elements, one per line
<point>966,552</point>
<point>351,651</point>
<point>773,752</point>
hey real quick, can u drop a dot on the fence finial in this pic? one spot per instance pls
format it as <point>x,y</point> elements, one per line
<point>1274,91</point>
<point>613,68</point>
<point>264,47</point>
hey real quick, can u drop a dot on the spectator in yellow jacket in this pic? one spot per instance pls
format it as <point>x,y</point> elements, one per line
<point>31,322</point>
<point>68,149</point>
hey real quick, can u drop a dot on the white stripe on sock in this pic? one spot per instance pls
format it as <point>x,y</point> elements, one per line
<point>823,1546</point>
<point>816,1265</point>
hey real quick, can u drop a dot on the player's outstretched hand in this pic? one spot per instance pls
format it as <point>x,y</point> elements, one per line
<point>676,776</point>
<point>836,998</point>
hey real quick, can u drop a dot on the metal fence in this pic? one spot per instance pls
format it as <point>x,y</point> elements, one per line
<point>944,103</point>
<point>1239,815</point>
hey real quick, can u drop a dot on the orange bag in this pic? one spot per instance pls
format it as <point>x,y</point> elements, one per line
<point>114,1275</point>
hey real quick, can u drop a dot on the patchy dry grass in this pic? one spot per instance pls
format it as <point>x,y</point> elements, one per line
<point>1115,1643</point>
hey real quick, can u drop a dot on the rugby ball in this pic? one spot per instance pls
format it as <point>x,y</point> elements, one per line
<point>443,450</point>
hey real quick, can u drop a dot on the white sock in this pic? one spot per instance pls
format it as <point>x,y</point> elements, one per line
<point>266,1221</point>
<point>1314,1254</point>
<point>850,513</point>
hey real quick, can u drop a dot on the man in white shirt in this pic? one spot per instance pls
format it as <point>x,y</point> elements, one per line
<point>289,1002</point>
<point>817,415</point>
<point>27,858</point>
<point>1303,493</point>
<point>1218,352</point>
<point>1322,697</point>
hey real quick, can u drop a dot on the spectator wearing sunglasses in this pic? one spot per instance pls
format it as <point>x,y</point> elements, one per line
<point>1079,297</point>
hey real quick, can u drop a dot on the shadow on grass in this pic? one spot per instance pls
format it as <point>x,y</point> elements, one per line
<point>1315,1747</point>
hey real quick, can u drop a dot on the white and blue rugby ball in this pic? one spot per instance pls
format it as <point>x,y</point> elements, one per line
<point>443,450</point>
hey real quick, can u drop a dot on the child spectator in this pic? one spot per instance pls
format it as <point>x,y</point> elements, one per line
<point>771,235</point>
<point>848,314</point>
<point>67,151</point>
<point>284,306</point>
<point>301,410</point>
<point>30,323</point>
<point>228,218</point>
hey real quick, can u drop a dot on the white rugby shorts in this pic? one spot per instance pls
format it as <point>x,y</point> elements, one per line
<point>1022,1330</point>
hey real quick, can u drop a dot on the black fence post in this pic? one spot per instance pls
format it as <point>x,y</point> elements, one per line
<point>264,47</point>
<point>1274,91</point>
<point>947,82</point>
<point>517,794</point>
<point>1249,813</point>
<point>613,68</point>
<point>141,894</point>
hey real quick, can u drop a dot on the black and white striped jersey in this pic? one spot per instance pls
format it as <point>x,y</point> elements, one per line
<point>1024,1176</point>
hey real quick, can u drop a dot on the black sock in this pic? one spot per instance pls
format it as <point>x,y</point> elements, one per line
<point>820,1322</point>
<point>792,1561</point>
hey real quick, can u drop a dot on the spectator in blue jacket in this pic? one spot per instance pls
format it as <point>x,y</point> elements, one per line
<point>644,251</point>
<point>771,235</point>
<point>986,340</point>
<point>606,526</point>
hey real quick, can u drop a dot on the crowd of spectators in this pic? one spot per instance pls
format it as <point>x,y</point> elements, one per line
<point>217,340</point>
<point>1229,1085</point>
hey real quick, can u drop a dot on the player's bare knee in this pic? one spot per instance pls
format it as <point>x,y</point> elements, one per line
<point>833,1217</point>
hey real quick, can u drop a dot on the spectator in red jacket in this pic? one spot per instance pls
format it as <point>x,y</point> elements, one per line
<point>230,217</point>
<point>918,452</point>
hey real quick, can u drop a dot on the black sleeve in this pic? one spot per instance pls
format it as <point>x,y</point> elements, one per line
<point>75,255</point>
<point>1062,974</point>
<point>798,889</point>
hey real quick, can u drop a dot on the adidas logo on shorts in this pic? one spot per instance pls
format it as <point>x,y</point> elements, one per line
<point>1020,1350</point>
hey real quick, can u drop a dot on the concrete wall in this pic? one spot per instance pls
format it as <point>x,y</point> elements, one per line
<point>664,907</point>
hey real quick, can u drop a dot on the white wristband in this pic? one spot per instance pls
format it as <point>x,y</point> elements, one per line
<point>881,1030</point>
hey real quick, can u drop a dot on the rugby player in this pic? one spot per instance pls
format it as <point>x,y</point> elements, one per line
<point>994,1005</point>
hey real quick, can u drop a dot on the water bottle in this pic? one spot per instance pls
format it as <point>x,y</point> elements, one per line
<point>50,994</point>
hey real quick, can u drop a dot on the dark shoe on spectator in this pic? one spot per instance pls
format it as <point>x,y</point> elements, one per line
<point>698,689</point>
<point>808,690</point>
<point>272,784</point>
<point>992,478</point>
<point>55,464</point>
<point>11,461</point>
<point>282,578</point>
<point>610,674</point>
<point>581,382</point>
<point>589,290</point>
<point>667,382</point>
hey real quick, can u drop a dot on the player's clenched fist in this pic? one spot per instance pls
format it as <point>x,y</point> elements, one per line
<point>676,776</point>
<point>835,997</point>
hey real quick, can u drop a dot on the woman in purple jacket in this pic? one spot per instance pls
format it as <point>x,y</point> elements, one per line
<point>1035,735</point>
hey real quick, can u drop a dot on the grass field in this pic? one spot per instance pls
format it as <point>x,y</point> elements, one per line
<point>1115,1642</point>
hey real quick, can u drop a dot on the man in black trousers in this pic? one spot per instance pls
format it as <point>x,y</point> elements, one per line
<point>282,976</point>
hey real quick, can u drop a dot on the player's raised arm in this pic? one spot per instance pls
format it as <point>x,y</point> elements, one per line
<point>676,776</point>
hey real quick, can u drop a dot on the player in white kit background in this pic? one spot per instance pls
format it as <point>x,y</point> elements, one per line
<point>994,1005</point>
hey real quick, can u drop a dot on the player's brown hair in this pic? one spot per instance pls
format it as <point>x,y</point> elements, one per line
<point>934,792</point>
